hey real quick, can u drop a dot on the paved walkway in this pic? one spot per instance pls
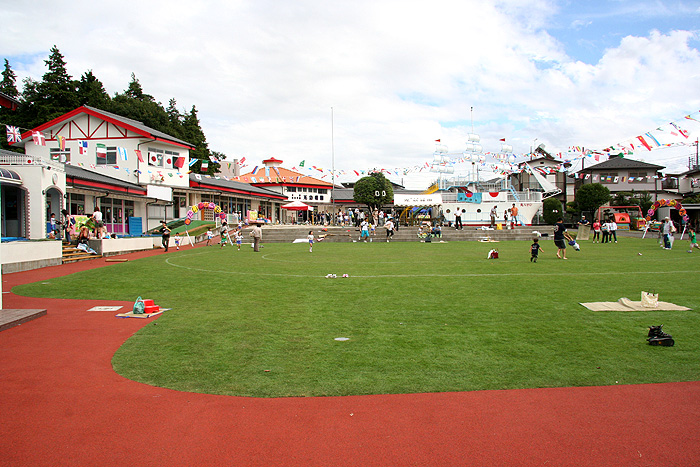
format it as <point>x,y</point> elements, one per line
<point>62,404</point>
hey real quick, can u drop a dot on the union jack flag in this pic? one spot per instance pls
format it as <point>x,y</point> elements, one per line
<point>13,134</point>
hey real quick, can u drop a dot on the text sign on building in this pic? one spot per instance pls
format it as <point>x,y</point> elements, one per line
<point>417,200</point>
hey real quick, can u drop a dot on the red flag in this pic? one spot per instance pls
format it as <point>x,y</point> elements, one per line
<point>139,155</point>
<point>502,139</point>
<point>179,161</point>
<point>437,140</point>
<point>644,143</point>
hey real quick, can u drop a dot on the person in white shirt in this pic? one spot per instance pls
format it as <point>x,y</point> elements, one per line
<point>613,229</point>
<point>389,226</point>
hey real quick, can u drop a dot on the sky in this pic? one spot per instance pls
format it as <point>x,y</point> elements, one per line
<point>369,84</point>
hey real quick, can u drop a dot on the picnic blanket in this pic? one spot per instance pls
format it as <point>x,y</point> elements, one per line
<point>625,304</point>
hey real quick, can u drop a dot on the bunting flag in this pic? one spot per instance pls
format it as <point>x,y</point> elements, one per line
<point>680,130</point>
<point>255,170</point>
<point>61,142</point>
<point>205,165</point>
<point>101,151</point>
<point>39,138</point>
<point>152,158</point>
<point>82,147</point>
<point>13,134</point>
<point>122,153</point>
<point>192,162</point>
<point>139,155</point>
<point>179,162</point>
<point>644,143</point>
<point>242,161</point>
<point>301,164</point>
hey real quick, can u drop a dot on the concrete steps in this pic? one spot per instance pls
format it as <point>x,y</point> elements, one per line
<point>72,254</point>
<point>287,234</point>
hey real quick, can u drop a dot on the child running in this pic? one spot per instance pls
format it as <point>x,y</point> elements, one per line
<point>238,235</point>
<point>210,235</point>
<point>224,235</point>
<point>693,240</point>
<point>311,241</point>
<point>177,241</point>
<point>535,249</point>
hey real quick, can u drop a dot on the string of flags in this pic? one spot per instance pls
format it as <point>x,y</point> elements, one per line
<point>675,131</point>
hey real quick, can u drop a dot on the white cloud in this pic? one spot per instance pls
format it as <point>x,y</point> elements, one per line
<point>264,75</point>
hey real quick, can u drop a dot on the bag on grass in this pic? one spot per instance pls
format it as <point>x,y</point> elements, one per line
<point>650,300</point>
<point>139,307</point>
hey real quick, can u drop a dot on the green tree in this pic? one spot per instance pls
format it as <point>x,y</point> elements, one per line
<point>552,210</point>
<point>8,85</point>
<point>374,191</point>
<point>592,196</point>
<point>193,134</point>
<point>91,91</point>
<point>50,98</point>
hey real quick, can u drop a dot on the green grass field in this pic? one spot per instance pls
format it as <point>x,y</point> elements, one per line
<point>418,317</point>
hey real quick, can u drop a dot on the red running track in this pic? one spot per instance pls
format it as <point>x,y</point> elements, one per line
<point>62,404</point>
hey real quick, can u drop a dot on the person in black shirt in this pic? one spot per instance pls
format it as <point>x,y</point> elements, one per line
<point>165,231</point>
<point>535,249</point>
<point>560,238</point>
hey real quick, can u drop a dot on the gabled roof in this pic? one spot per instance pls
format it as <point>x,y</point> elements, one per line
<point>8,101</point>
<point>289,177</point>
<point>79,177</point>
<point>622,163</point>
<point>117,120</point>
<point>232,186</point>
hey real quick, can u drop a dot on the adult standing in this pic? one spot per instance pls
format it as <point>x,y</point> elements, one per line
<point>613,229</point>
<point>560,238</point>
<point>458,219</point>
<point>494,213</point>
<point>257,237</point>
<point>97,217</point>
<point>68,224</point>
<point>667,229</point>
<point>514,215</point>
<point>165,235</point>
<point>596,231</point>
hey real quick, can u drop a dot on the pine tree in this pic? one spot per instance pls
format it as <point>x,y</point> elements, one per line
<point>193,134</point>
<point>8,85</point>
<point>91,91</point>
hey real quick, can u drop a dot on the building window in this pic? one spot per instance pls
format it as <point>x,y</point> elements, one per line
<point>110,159</point>
<point>322,191</point>
<point>609,177</point>
<point>291,189</point>
<point>162,158</point>
<point>637,177</point>
<point>76,204</point>
<point>60,156</point>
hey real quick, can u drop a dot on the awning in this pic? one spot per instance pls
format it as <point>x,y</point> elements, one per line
<point>10,177</point>
<point>296,206</point>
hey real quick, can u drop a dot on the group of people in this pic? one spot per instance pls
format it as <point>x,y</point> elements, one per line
<point>608,228</point>
<point>510,216</point>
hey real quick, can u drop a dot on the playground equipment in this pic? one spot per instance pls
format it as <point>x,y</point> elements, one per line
<point>625,219</point>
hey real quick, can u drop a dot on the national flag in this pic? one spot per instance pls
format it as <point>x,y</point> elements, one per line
<point>54,156</point>
<point>356,173</point>
<point>644,143</point>
<point>153,158</point>
<point>267,172</point>
<point>691,118</point>
<point>680,130</point>
<point>503,140</point>
<point>192,162</point>
<point>242,161</point>
<point>301,164</point>
<point>255,170</point>
<point>61,142</point>
<point>168,161</point>
<point>122,153</point>
<point>437,140</point>
<point>255,180</point>
<point>656,141</point>
<point>179,162</point>
<point>139,155</point>
<point>101,151</point>
<point>39,138</point>
<point>13,134</point>
<point>214,159</point>
<point>83,147</point>
<point>205,165</point>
